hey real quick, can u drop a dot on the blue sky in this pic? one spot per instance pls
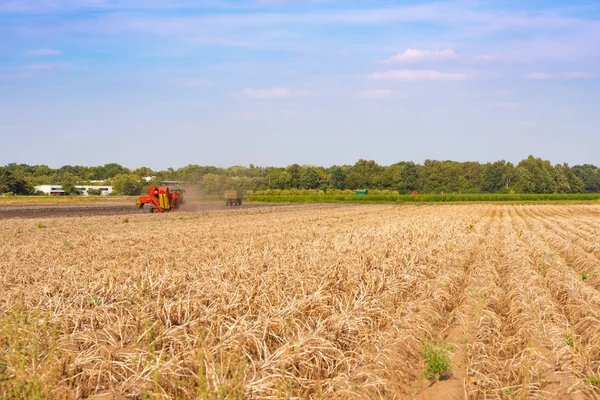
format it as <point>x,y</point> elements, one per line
<point>165,83</point>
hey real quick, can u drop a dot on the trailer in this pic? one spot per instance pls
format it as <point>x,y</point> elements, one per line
<point>233,198</point>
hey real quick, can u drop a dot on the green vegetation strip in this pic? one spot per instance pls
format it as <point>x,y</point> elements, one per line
<point>421,198</point>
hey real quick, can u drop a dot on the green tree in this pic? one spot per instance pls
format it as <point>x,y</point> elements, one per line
<point>68,181</point>
<point>310,178</point>
<point>534,175</point>
<point>497,177</point>
<point>296,172</point>
<point>11,184</point>
<point>338,177</point>
<point>127,184</point>
<point>589,176</point>
<point>365,174</point>
<point>284,180</point>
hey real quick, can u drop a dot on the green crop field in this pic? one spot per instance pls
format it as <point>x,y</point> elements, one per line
<point>421,198</point>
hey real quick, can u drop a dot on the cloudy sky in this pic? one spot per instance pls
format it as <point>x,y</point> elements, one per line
<point>165,83</point>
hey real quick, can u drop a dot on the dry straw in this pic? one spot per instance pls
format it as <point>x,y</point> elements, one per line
<point>302,302</point>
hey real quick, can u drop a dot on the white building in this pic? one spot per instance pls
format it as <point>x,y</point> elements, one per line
<point>57,190</point>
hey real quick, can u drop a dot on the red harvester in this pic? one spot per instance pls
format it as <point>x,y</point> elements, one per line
<point>161,199</point>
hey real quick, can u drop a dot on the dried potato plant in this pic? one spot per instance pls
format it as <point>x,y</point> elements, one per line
<point>302,302</point>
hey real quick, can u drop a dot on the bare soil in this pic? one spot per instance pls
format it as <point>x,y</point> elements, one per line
<point>83,210</point>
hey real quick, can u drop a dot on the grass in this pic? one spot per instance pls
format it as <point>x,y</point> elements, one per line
<point>422,198</point>
<point>437,359</point>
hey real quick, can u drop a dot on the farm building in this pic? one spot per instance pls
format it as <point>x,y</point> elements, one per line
<point>57,190</point>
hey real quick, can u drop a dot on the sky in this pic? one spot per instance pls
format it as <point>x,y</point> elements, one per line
<point>166,83</point>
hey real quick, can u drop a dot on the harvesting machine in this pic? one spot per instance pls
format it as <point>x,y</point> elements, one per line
<point>161,199</point>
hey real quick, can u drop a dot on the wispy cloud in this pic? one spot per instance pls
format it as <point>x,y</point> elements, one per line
<point>581,75</point>
<point>48,67</point>
<point>43,52</point>
<point>463,95</point>
<point>189,83</point>
<point>381,94</point>
<point>529,124</point>
<point>539,76</point>
<point>418,75</point>
<point>506,105</point>
<point>277,93</point>
<point>415,56</point>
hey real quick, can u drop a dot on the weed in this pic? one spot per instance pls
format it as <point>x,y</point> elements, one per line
<point>41,226</point>
<point>585,277</point>
<point>68,245</point>
<point>125,220</point>
<point>593,380</point>
<point>570,340</point>
<point>437,359</point>
<point>510,394</point>
<point>464,340</point>
<point>94,300</point>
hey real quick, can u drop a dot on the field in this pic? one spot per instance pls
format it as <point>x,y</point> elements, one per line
<point>316,196</point>
<point>407,301</point>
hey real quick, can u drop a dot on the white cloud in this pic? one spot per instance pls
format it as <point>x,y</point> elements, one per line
<point>417,75</point>
<point>581,75</point>
<point>44,52</point>
<point>276,93</point>
<point>539,76</point>
<point>413,56</point>
<point>381,94</point>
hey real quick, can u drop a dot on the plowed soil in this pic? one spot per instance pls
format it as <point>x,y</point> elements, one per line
<point>80,210</point>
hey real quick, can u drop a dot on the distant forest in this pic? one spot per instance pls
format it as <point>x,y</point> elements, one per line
<point>532,175</point>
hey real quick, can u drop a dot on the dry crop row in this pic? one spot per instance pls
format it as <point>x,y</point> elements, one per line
<point>317,301</point>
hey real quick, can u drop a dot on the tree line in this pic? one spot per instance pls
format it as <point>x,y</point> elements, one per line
<point>531,175</point>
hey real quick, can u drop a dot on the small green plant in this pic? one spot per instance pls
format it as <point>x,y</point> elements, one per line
<point>464,340</point>
<point>95,300</point>
<point>125,220</point>
<point>68,245</point>
<point>510,394</point>
<point>593,380</point>
<point>570,340</point>
<point>570,265</point>
<point>41,226</point>
<point>437,360</point>
<point>585,277</point>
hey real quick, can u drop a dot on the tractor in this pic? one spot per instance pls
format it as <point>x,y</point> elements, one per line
<point>161,199</point>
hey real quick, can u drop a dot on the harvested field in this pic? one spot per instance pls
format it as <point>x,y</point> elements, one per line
<point>320,301</point>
